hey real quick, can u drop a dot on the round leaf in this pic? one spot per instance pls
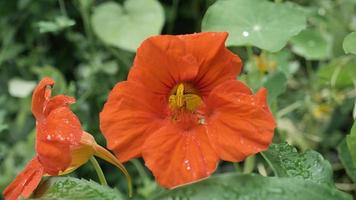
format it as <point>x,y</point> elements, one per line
<point>249,186</point>
<point>260,23</point>
<point>287,162</point>
<point>67,188</point>
<point>350,43</point>
<point>20,88</point>
<point>276,84</point>
<point>312,45</point>
<point>128,25</point>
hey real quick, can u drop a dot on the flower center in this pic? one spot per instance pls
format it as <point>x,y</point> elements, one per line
<point>184,96</point>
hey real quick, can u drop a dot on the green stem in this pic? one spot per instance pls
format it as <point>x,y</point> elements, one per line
<point>249,164</point>
<point>62,8</point>
<point>140,170</point>
<point>98,170</point>
<point>84,13</point>
<point>289,109</point>
<point>170,24</point>
<point>311,77</point>
<point>249,53</point>
<point>237,167</point>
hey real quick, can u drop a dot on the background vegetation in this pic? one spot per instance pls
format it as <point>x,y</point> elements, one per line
<point>294,48</point>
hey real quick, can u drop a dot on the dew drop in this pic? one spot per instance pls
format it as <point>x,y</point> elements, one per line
<point>245,34</point>
<point>61,138</point>
<point>187,165</point>
<point>242,141</point>
<point>201,121</point>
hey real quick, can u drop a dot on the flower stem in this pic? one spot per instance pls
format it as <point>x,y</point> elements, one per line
<point>140,170</point>
<point>98,170</point>
<point>237,167</point>
<point>249,164</point>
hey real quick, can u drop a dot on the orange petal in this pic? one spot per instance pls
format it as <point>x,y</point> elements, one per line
<point>238,123</point>
<point>81,153</point>
<point>58,101</point>
<point>40,97</point>
<point>54,156</point>
<point>26,182</point>
<point>55,135</point>
<point>177,156</point>
<point>216,63</point>
<point>129,116</point>
<point>161,62</point>
<point>261,98</point>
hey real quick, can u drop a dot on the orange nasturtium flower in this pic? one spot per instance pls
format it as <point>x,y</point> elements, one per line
<point>61,144</point>
<point>183,110</point>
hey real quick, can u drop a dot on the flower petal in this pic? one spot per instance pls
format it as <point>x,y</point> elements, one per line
<point>55,136</point>
<point>178,157</point>
<point>80,154</point>
<point>216,63</point>
<point>129,116</point>
<point>58,101</point>
<point>26,182</point>
<point>238,123</point>
<point>161,62</point>
<point>40,97</point>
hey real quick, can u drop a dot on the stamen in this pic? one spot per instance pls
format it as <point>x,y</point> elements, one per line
<point>180,99</point>
<point>180,95</point>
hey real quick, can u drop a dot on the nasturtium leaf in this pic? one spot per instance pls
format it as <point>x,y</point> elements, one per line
<point>283,62</point>
<point>259,23</point>
<point>349,43</point>
<point>276,84</point>
<point>287,162</point>
<point>54,73</point>
<point>67,188</point>
<point>351,142</point>
<point>249,186</point>
<point>312,45</point>
<point>346,160</point>
<point>339,72</point>
<point>59,23</point>
<point>20,88</point>
<point>128,25</point>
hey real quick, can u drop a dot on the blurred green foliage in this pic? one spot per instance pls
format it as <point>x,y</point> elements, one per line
<point>88,46</point>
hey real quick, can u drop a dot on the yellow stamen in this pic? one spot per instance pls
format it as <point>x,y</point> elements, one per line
<point>180,99</point>
<point>180,96</point>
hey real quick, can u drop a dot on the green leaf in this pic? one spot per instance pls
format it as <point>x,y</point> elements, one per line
<point>59,23</point>
<point>351,142</point>
<point>128,25</point>
<point>68,188</point>
<point>21,88</point>
<point>287,162</point>
<point>312,45</point>
<point>249,186</point>
<point>284,63</point>
<point>276,84</point>
<point>259,23</point>
<point>346,160</point>
<point>339,73</point>
<point>349,43</point>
